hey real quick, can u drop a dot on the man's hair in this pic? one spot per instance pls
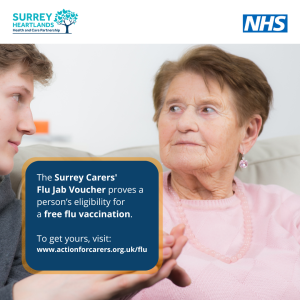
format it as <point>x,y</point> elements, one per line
<point>252,92</point>
<point>36,63</point>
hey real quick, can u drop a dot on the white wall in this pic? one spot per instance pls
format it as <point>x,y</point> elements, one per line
<point>101,94</point>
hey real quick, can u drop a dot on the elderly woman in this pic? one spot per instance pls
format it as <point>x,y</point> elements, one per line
<point>243,239</point>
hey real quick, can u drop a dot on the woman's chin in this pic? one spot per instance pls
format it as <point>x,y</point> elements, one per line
<point>186,165</point>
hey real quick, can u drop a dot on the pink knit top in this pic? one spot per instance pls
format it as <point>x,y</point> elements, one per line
<point>269,270</point>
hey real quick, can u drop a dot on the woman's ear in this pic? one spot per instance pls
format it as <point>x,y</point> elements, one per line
<point>251,133</point>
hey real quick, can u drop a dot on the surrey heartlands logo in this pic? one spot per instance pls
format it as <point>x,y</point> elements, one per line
<point>43,23</point>
<point>66,18</point>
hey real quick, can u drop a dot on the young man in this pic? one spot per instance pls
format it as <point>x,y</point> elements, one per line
<point>20,67</point>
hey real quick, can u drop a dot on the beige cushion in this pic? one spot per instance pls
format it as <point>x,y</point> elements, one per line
<point>272,161</point>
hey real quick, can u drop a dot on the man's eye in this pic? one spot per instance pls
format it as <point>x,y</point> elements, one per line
<point>17,97</point>
<point>174,108</point>
<point>208,110</point>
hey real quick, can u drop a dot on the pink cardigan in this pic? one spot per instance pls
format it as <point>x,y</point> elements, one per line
<point>269,270</point>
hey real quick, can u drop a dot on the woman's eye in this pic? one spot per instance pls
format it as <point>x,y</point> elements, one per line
<point>208,110</point>
<point>16,97</point>
<point>174,108</point>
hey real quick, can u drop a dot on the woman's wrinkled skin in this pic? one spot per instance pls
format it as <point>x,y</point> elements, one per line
<point>200,137</point>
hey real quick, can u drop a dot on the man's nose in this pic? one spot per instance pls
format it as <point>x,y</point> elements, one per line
<point>188,121</point>
<point>26,124</point>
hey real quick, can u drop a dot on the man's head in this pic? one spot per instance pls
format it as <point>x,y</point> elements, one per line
<point>20,67</point>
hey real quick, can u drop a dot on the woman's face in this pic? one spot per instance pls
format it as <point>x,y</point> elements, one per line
<point>16,94</point>
<point>198,128</point>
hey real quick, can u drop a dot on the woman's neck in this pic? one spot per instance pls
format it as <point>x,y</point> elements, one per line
<point>202,186</point>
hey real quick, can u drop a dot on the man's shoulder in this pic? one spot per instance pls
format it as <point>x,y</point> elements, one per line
<point>12,210</point>
<point>11,222</point>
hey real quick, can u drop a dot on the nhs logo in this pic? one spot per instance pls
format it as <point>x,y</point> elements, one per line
<point>265,23</point>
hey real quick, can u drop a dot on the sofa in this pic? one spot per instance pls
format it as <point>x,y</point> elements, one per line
<point>271,161</point>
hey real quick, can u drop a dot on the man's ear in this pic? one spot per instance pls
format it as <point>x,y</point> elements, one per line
<point>251,133</point>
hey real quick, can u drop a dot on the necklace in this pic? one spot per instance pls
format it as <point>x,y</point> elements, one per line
<point>247,228</point>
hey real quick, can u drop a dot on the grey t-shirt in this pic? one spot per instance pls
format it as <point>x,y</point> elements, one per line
<point>11,268</point>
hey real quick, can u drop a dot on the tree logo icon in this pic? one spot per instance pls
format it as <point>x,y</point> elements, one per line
<point>66,18</point>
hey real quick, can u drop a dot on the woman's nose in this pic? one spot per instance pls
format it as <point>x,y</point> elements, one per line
<point>26,124</point>
<point>188,121</point>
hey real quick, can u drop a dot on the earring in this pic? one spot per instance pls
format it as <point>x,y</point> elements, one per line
<point>243,163</point>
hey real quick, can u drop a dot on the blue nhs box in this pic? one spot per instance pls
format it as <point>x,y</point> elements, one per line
<point>265,23</point>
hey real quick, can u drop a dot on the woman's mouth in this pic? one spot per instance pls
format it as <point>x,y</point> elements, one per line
<point>186,143</point>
